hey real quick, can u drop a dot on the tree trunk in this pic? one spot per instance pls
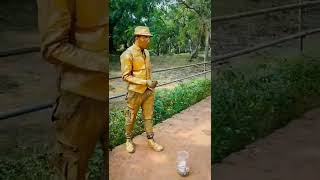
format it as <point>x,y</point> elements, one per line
<point>112,49</point>
<point>206,49</point>
<point>158,48</point>
<point>194,53</point>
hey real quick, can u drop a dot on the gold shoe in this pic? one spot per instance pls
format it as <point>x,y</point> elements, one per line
<point>155,146</point>
<point>130,146</point>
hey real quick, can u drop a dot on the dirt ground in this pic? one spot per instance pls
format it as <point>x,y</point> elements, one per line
<point>290,153</point>
<point>189,130</point>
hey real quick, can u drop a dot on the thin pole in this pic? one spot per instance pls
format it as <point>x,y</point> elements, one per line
<point>301,26</point>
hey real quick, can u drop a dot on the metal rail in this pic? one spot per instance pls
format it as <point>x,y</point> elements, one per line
<point>171,82</point>
<point>27,110</point>
<point>37,49</point>
<point>188,77</point>
<point>19,51</point>
<point>221,58</point>
<point>264,11</point>
<point>168,69</point>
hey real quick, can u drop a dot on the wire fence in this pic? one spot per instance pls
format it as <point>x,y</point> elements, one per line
<point>265,11</point>
<point>216,62</point>
<point>225,58</point>
<point>163,84</point>
<point>15,52</point>
<point>221,59</point>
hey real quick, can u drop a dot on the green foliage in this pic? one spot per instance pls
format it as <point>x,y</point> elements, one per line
<point>27,168</point>
<point>30,165</point>
<point>124,15</point>
<point>175,26</point>
<point>167,103</point>
<point>249,107</point>
<point>96,164</point>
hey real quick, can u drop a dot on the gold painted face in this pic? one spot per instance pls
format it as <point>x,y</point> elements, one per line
<point>143,41</point>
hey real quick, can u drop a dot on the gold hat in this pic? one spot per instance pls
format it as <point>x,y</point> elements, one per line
<point>142,30</point>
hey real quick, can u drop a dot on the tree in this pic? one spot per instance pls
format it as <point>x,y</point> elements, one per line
<point>202,9</point>
<point>124,15</point>
<point>177,25</point>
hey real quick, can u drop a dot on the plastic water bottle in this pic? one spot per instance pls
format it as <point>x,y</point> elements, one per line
<point>182,167</point>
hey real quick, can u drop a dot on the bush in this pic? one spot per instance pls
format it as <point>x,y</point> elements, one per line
<point>247,107</point>
<point>167,103</point>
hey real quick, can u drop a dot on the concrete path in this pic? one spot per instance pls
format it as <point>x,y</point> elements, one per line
<point>189,130</point>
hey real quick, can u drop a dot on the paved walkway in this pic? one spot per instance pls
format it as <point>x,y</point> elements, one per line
<point>290,153</point>
<point>189,130</point>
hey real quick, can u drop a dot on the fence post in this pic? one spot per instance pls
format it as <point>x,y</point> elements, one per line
<point>204,67</point>
<point>206,49</point>
<point>301,26</point>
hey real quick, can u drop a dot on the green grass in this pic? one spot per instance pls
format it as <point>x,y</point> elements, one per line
<point>167,103</point>
<point>27,164</point>
<point>247,106</point>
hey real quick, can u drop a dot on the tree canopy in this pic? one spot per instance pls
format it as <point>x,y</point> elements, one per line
<point>177,25</point>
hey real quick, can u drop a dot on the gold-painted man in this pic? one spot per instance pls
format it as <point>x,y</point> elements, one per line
<point>136,71</point>
<point>74,39</point>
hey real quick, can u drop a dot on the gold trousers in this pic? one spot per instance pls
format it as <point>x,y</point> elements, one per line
<point>134,102</point>
<point>80,122</point>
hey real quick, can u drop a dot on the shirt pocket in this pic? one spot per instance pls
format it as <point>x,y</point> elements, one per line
<point>138,64</point>
<point>66,106</point>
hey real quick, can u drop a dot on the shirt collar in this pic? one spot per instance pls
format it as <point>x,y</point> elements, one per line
<point>136,47</point>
